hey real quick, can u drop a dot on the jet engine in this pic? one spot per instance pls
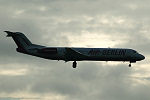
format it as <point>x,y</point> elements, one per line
<point>48,50</point>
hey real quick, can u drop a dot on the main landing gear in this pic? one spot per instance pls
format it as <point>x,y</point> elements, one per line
<point>74,65</point>
<point>131,62</point>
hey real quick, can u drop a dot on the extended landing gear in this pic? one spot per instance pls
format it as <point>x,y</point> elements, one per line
<point>130,65</point>
<point>74,65</point>
<point>131,62</point>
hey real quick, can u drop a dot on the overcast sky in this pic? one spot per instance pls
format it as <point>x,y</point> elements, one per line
<point>75,23</point>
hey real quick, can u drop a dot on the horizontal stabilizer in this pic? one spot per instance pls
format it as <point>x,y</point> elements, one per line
<point>10,34</point>
<point>20,39</point>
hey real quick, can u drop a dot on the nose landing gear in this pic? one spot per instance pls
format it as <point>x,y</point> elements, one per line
<point>74,65</point>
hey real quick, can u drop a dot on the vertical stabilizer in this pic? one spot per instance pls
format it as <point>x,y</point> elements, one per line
<point>20,39</point>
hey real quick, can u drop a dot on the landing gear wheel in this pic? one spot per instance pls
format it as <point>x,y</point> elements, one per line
<point>74,65</point>
<point>129,65</point>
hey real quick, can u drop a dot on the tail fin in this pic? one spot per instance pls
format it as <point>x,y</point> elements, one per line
<point>20,39</point>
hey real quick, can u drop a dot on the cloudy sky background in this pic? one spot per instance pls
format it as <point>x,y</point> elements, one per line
<point>75,23</point>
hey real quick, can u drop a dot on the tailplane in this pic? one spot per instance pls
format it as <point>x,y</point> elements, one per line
<point>20,39</point>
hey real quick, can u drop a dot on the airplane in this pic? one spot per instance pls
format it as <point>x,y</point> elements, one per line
<point>72,53</point>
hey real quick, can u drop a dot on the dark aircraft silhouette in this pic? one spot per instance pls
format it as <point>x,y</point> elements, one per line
<point>72,53</point>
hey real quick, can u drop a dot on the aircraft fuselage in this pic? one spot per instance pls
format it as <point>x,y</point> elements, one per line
<point>90,54</point>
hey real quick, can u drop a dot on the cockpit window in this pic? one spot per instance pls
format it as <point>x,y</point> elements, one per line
<point>134,51</point>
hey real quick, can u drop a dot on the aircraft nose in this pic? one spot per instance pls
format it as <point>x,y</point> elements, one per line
<point>142,57</point>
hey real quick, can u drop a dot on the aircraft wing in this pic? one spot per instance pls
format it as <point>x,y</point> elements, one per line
<point>73,55</point>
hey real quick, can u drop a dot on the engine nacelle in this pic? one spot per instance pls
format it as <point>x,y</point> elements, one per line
<point>48,50</point>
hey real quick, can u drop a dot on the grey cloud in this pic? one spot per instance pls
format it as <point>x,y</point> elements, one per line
<point>76,84</point>
<point>98,82</point>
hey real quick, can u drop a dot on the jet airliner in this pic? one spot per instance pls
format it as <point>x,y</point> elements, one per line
<point>73,54</point>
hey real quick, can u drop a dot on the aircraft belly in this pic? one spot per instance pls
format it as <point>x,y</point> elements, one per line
<point>109,58</point>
